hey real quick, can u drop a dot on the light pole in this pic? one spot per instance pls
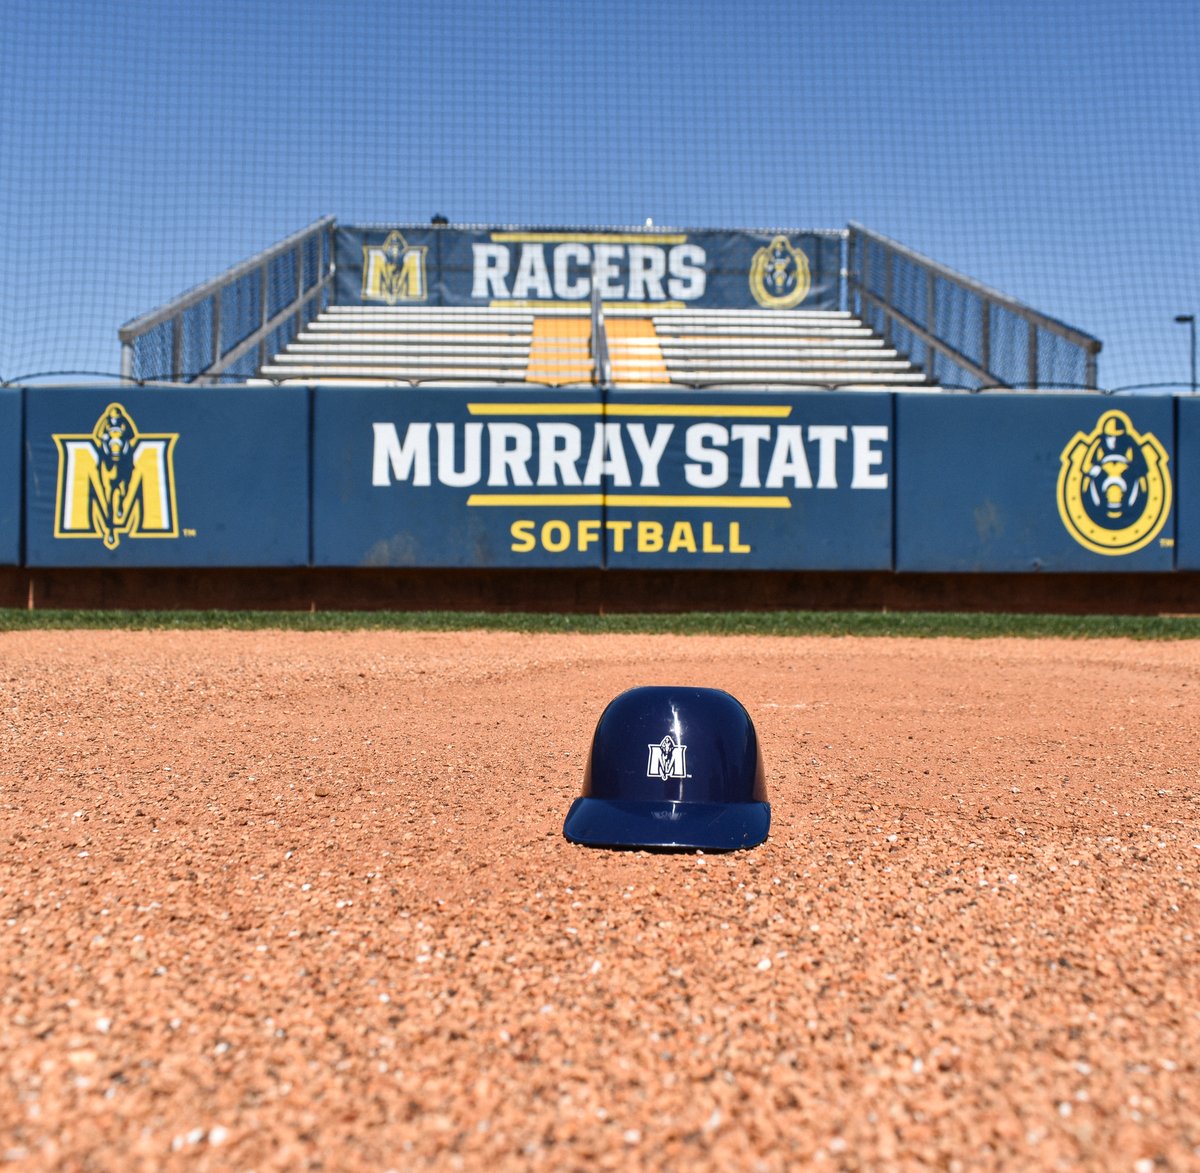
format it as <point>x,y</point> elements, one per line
<point>1190,321</point>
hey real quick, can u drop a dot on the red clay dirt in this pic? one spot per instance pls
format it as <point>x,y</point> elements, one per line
<point>298,901</point>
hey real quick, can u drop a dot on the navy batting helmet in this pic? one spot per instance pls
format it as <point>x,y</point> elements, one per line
<point>672,767</point>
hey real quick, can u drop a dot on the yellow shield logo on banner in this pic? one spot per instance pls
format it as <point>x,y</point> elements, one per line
<point>1114,488</point>
<point>779,275</point>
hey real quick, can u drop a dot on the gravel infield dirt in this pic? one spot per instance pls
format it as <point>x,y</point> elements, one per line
<point>280,901</point>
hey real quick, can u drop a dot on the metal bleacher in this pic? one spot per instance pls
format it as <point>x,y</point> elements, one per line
<point>410,346</point>
<point>909,322</point>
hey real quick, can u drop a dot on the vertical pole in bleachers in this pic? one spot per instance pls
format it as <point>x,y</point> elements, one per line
<point>930,321</point>
<point>887,296</point>
<point>601,364</point>
<point>1033,356</point>
<point>297,319</point>
<point>264,315</point>
<point>176,347</point>
<point>864,277</point>
<point>845,270</point>
<point>215,356</point>
<point>985,339</point>
<point>852,274</point>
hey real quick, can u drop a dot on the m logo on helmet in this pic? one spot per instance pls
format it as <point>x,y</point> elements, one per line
<point>668,759</point>
<point>1114,489</point>
<point>116,482</point>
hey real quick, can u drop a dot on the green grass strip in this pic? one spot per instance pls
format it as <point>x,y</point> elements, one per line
<point>924,624</point>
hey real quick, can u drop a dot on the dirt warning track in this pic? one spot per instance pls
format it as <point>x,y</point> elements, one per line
<point>279,901</point>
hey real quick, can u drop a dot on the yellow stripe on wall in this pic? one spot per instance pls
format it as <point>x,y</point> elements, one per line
<point>635,500</point>
<point>590,237</point>
<point>533,303</point>
<point>699,410</point>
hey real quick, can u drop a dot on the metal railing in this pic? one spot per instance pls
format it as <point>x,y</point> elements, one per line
<point>960,332</point>
<point>598,340</point>
<point>228,327</point>
<point>956,330</point>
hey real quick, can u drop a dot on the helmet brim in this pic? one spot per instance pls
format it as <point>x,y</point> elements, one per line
<point>683,826</point>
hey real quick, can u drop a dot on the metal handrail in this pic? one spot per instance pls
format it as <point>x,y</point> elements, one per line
<point>989,297</point>
<point>601,361</point>
<point>175,309</point>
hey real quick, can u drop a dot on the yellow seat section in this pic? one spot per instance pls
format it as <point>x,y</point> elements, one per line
<point>560,351</point>
<point>634,351</point>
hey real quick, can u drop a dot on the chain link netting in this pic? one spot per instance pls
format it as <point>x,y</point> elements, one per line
<point>241,310</point>
<point>140,157</point>
<point>237,302</point>
<point>960,333</point>
<point>152,356</point>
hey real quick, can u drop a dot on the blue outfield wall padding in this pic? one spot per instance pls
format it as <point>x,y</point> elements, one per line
<point>205,476</point>
<point>649,479</point>
<point>1187,482</point>
<point>454,477</point>
<point>1035,482</point>
<point>10,476</point>
<point>749,480</point>
<point>639,480</point>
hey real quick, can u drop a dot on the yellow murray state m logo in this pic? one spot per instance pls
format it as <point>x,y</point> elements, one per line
<point>1114,489</point>
<point>116,482</point>
<point>779,275</point>
<point>394,271</point>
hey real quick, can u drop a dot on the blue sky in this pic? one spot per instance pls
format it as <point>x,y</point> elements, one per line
<point>1049,149</point>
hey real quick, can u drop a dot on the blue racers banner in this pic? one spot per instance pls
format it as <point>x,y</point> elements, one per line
<point>1011,482</point>
<point>211,476</point>
<point>497,477</point>
<point>541,268</point>
<point>10,476</point>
